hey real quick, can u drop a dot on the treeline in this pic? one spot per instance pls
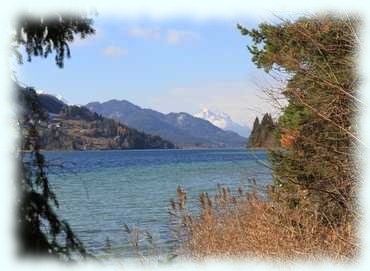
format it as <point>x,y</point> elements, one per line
<point>263,133</point>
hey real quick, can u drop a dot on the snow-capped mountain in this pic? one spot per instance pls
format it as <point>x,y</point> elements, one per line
<point>181,128</point>
<point>223,121</point>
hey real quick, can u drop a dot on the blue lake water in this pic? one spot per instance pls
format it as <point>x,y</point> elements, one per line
<point>99,191</point>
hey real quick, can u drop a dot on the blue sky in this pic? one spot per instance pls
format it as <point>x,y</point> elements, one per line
<point>170,65</point>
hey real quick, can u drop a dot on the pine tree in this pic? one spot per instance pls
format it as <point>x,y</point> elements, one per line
<point>41,231</point>
<point>262,134</point>
<point>315,170</point>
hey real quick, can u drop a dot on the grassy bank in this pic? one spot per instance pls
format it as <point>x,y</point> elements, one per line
<point>243,224</point>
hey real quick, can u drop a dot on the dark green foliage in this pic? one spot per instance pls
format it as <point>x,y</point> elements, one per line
<point>40,231</point>
<point>316,169</point>
<point>41,36</point>
<point>262,135</point>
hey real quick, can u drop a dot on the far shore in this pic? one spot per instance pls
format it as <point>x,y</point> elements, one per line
<point>152,149</point>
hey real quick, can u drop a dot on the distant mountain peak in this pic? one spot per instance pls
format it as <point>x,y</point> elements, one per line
<point>181,128</point>
<point>223,121</point>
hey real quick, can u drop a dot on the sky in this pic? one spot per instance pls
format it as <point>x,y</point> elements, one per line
<point>173,65</point>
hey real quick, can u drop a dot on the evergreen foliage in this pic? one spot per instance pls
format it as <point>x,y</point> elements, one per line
<point>315,168</point>
<point>262,135</point>
<point>41,231</point>
<point>40,36</point>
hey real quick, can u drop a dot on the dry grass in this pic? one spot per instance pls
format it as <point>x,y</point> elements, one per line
<point>246,225</point>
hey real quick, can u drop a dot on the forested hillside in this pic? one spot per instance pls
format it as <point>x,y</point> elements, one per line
<point>66,127</point>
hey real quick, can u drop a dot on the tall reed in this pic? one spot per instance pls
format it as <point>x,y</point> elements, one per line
<point>246,224</point>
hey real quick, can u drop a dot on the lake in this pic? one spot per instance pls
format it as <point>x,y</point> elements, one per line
<point>99,191</point>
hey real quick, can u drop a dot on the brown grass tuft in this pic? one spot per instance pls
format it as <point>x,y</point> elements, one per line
<point>246,225</point>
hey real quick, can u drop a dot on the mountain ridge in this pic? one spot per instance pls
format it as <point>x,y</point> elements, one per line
<point>181,128</point>
<point>72,127</point>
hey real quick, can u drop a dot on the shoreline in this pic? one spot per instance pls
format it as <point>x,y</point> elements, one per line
<point>151,149</point>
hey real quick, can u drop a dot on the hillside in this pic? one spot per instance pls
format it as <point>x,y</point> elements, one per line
<point>65,127</point>
<point>181,128</point>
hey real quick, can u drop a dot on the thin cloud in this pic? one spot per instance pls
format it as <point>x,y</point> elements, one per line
<point>175,37</point>
<point>170,36</point>
<point>114,51</point>
<point>145,32</point>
